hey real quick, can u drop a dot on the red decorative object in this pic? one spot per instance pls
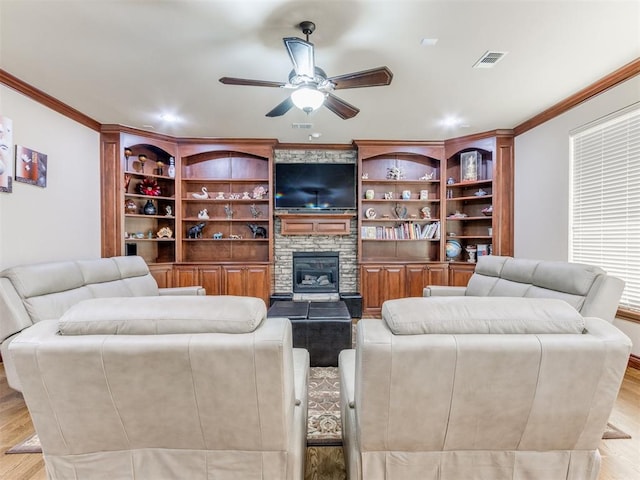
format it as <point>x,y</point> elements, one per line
<point>148,186</point>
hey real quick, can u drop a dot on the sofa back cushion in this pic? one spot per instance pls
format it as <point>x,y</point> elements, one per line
<point>514,277</point>
<point>469,315</point>
<point>47,290</point>
<point>163,315</point>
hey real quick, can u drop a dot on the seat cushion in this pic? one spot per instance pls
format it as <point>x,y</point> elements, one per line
<point>459,315</point>
<point>163,315</point>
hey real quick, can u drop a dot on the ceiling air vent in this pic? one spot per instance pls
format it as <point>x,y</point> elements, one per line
<point>304,126</point>
<point>489,59</point>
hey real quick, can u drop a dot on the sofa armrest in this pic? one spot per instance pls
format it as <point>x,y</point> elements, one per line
<point>300,374</point>
<point>197,290</point>
<point>443,291</point>
<point>347,364</point>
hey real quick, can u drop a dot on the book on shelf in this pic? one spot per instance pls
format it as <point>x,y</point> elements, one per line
<point>482,249</point>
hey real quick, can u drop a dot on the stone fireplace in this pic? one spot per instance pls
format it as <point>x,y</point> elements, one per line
<point>316,272</point>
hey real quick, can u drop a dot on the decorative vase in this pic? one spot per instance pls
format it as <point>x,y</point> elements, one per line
<point>149,208</point>
<point>171,171</point>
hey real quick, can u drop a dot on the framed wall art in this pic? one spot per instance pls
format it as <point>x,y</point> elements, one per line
<point>31,167</point>
<point>6,152</point>
<point>470,166</point>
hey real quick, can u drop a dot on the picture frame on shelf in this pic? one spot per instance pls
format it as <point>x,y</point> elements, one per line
<point>470,166</point>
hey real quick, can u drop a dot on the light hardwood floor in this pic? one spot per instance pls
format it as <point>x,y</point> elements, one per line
<point>620,458</point>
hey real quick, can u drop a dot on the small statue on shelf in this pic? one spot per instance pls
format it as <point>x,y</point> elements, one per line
<point>217,236</point>
<point>401,211</point>
<point>228,211</point>
<point>425,212</point>
<point>395,173</point>
<point>255,212</point>
<point>246,196</point>
<point>220,196</point>
<point>204,214</point>
<point>259,192</point>
<point>164,232</point>
<point>427,176</point>
<point>257,230</point>
<point>201,196</point>
<point>168,211</point>
<point>195,231</point>
<point>130,206</point>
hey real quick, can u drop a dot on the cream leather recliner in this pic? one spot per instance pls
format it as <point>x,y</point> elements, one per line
<point>166,388</point>
<point>589,289</point>
<point>44,291</point>
<point>451,388</point>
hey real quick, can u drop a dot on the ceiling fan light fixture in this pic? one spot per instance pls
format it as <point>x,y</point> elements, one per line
<point>307,99</point>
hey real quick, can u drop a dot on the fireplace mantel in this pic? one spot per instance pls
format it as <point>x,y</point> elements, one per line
<point>315,224</point>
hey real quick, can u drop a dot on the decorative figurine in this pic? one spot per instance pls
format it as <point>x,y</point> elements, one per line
<point>228,211</point>
<point>220,196</point>
<point>235,237</point>
<point>148,186</point>
<point>217,236</point>
<point>400,211</point>
<point>259,192</point>
<point>149,208</point>
<point>425,212</point>
<point>164,232</point>
<point>388,195</point>
<point>488,211</point>
<point>130,206</point>
<point>427,176</point>
<point>395,173</point>
<point>246,196</point>
<point>370,213</point>
<point>168,211</point>
<point>203,214</point>
<point>234,196</point>
<point>471,251</point>
<point>480,193</point>
<point>255,212</point>
<point>365,176</point>
<point>127,181</point>
<point>201,196</point>
<point>257,230</point>
<point>450,181</point>
<point>195,231</point>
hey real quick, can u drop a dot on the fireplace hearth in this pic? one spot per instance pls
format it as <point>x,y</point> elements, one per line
<point>316,272</point>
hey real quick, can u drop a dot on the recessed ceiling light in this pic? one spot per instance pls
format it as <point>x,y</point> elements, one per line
<point>168,117</point>
<point>428,42</point>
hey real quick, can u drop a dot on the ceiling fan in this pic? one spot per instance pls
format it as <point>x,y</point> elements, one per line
<point>310,84</point>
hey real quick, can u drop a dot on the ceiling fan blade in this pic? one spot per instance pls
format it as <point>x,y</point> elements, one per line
<point>282,108</point>
<point>366,78</point>
<point>301,53</point>
<point>340,107</point>
<point>252,83</point>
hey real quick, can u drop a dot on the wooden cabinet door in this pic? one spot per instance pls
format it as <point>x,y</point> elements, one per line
<point>417,278</point>
<point>380,283</point>
<point>232,280</point>
<point>185,276</point>
<point>437,274</point>
<point>210,277</point>
<point>372,287</point>
<point>257,282</point>
<point>459,274</point>
<point>163,275</point>
<point>395,282</point>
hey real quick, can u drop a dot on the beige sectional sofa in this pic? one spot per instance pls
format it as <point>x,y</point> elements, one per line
<point>166,388</point>
<point>446,388</point>
<point>43,291</point>
<point>589,289</point>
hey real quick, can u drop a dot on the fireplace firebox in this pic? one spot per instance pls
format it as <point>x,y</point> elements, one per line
<point>316,272</point>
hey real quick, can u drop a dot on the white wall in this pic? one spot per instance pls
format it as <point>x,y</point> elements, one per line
<point>61,221</point>
<point>542,182</point>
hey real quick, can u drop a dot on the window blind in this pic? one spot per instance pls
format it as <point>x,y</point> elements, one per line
<point>605,199</point>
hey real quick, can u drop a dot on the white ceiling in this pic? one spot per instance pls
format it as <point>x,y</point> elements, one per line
<point>128,61</point>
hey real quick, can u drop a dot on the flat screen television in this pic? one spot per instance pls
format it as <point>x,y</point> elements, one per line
<point>315,186</point>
